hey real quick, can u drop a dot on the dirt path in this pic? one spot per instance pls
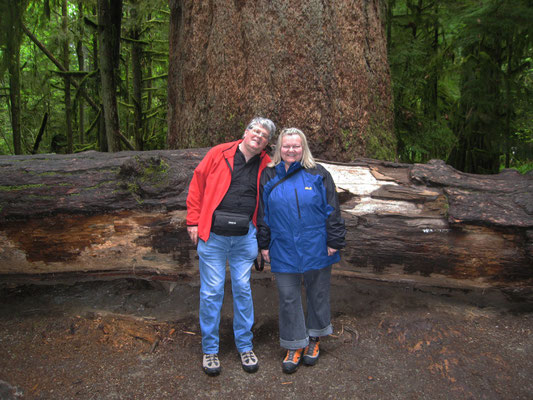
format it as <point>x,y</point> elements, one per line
<point>128,339</point>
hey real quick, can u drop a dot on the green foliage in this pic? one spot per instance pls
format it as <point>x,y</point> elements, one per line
<point>524,168</point>
<point>425,86</point>
<point>495,44</point>
<point>462,81</point>
<point>42,87</point>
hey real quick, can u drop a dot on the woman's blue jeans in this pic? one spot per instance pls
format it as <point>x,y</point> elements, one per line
<point>294,327</point>
<point>240,252</point>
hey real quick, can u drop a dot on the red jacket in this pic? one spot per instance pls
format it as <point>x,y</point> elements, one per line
<point>210,183</point>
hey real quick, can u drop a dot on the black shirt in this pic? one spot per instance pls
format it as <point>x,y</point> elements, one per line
<point>242,192</point>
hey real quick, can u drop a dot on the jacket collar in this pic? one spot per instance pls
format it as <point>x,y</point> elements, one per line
<point>280,168</point>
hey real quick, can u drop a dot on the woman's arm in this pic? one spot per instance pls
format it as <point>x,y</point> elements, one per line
<point>335,226</point>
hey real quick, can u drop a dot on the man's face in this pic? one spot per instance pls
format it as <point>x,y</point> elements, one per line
<point>255,139</point>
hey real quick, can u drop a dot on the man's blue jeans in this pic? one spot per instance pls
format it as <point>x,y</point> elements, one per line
<point>240,252</point>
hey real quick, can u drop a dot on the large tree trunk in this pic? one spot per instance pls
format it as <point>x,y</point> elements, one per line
<point>320,66</point>
<point>123,214</point>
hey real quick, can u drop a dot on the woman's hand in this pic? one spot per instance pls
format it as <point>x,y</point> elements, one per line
<point>266,255</point>
<point>331,251</point>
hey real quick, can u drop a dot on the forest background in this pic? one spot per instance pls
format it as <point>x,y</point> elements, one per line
<point>461,72</point>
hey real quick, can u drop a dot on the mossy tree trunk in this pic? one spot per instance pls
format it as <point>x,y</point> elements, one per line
<point>123,214</point>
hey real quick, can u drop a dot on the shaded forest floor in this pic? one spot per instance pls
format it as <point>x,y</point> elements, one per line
<point>131,339</point>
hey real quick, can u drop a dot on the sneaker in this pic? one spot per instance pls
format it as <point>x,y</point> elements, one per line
<point>291,361</point>
<point>211,364</point>
<point>312,351</point>
<point>249,361</point>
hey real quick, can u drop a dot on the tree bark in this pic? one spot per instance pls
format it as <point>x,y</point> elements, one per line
<point>40,134</point>
<point>13,36</point>
<point>320,66</point>
<point>80,52</point>
<point>103,215</point>
<point>136,56</point>
<point>66,64</point>
<point>109,22</point>
<point>14,97</point>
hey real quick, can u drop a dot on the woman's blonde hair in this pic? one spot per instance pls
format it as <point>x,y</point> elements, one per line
<point>307,160</point>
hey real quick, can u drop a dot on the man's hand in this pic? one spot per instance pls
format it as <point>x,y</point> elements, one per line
<point>266,255</point>
<point>192,230</point>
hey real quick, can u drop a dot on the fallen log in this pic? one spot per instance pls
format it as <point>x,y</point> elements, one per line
<point>103,215</point>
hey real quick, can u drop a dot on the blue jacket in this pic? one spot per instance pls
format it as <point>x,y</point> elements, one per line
<point>298,218</point>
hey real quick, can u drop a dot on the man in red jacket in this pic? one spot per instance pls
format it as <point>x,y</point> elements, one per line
<point>221,221</point>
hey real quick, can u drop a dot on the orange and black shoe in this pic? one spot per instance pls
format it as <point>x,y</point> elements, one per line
<point>291,361</point>
<point>312,351</point>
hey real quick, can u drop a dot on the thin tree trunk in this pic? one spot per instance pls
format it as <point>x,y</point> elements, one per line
<point>102,137</point>
<point>40,134</point>
<point>13,39</point>
<point>149,97</point>
<point>127,95</point>
<point>100,134</point>
<point>148,85</point>
<point>136,55</point>
<point>435,75</point>
<point>507,85</point>
<point>66,64</point>
<point>81,66</point>
<point>14,97</point>
<point>109,22</point>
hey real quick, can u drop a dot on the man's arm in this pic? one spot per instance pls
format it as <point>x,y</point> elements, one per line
<point>195,197</point>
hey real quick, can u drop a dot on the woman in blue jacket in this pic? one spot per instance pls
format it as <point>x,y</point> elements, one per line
<point>300,232</point>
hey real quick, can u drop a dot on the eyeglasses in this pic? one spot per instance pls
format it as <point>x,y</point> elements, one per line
<point>259,133</point>
<point>287,148</point>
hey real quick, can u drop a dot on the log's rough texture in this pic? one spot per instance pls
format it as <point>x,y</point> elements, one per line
<point>123,214</point>
<point>316,65</point>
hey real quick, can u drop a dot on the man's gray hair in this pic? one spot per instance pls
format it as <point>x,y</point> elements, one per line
<point>265,123</point>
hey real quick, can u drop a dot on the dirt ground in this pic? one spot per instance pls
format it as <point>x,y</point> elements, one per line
<point>132,339</point>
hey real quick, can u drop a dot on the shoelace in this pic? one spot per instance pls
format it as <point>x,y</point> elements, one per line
<point>212,358</point>
<point>248,356</point>
<point>312,346</point>
<point>290,357</point>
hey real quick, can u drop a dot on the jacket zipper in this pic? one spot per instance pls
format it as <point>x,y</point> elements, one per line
<point>297,204</point>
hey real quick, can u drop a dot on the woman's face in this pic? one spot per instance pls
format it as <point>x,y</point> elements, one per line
<point>291,149</point>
